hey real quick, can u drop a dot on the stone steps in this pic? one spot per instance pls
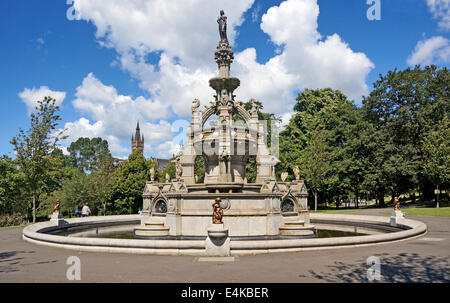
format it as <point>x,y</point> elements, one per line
<point>296,228</point>
<point>294,223</point>
<point>152,228</point>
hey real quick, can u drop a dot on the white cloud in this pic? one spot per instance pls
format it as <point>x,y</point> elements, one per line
<point>315,61</point>
<point>441,11</point>
<point>433,50</point>
<point>182,36</point>
<point>167,149</point>
<point>31,96</point>
<point>115,116</point>
<point>181,29</point>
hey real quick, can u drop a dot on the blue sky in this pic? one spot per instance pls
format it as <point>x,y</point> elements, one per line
<point>152,67</point>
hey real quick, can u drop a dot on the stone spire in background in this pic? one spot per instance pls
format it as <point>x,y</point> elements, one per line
<point>137,141</point>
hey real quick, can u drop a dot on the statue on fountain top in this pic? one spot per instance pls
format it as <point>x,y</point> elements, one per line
<point>222,20</point>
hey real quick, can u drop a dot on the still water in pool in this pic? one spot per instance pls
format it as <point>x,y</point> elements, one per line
<point>320,233</point>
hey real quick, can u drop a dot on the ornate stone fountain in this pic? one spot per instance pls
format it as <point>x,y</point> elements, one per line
<point>266,208</point>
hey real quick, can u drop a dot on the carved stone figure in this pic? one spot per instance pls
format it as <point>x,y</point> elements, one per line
<point>152,174</point>
<point>255,107</point>
<point>195,105</point>
<point>57,206</point>
<point>167,178</point>
<point>297,172</point>
<point>284,176</point>
<point>224,97</point>
<point>222,20</point>
<point>396,204</point>
<point>217,212</point>
<point>178,169</point>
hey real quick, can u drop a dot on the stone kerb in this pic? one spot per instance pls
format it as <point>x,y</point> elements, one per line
<point>36,234</point>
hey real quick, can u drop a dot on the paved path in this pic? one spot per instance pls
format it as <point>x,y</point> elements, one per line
<point>424,259</point>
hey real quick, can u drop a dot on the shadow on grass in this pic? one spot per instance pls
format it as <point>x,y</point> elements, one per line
<point>404,267</point>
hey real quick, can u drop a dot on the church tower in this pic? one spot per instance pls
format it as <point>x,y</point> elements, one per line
<point>137,141</point>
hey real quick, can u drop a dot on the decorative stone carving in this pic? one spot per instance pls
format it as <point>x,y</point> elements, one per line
<point>284,176</point>
<point>195,105</point>
<point>255,108</point>
<point>161,206</point>
<point>57,206</point>
<point>217,212</point>
<point>396,204</point>
<point>178,168</point>
<point>297,172</point>
<point>225,146</point>
<point>225,204</point>
<point>152,174</point>
<point>171,207</point>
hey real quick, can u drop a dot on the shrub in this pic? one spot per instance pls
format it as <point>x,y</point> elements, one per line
<point>11,220</point>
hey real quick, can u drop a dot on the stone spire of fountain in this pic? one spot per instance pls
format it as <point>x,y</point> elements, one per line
<point>183,207</point>
<point>224,84</point>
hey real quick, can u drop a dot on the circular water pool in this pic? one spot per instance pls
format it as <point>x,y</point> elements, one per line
<point>115,234</point>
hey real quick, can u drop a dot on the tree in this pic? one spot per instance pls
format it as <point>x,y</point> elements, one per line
<point>74,190</point>
<point>128,182</point>
<point>322,124</point>
<point>102,181</point>
<point>170,169</point>
<point>404,107</point>
<point>199,169</point>
<point>87,153</point>
<point>315,163</point>
<point>34,146</point>
<point>11,184</point>
<point>436,164</point>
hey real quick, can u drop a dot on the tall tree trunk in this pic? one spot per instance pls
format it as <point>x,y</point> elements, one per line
<point>34,207</point>
<point>381,198</point>
<point>315,202</point>
<point>437,196</point>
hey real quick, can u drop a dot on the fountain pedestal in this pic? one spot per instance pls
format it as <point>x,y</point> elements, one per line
<point>58,219</point>
<point>396,217</point>
<point>217,243</point>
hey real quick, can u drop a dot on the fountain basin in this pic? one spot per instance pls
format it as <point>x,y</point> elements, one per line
<point>41,234</point>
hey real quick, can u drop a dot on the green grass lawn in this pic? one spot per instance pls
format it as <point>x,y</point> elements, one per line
<point>10,227</point>
<point>422,211</point>
<point>338,211</point>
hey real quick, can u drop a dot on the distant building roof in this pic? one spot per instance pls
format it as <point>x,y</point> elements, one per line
<point>162,163</point>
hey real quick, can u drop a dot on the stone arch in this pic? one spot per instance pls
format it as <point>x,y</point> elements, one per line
<point>160,206</point>
<point>242,112</point>
<point>209,111</point>
<point>287,205</point>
